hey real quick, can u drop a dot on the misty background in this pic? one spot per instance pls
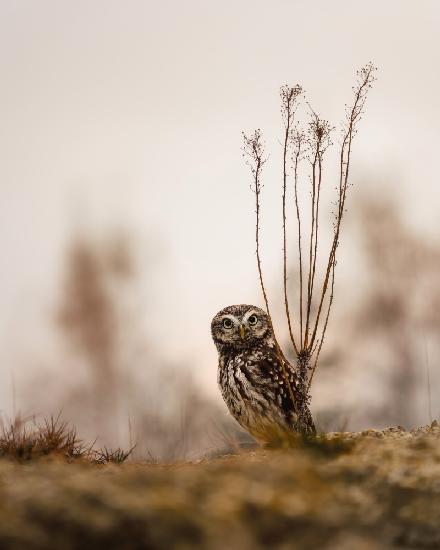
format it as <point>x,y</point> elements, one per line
<point>126,219</point>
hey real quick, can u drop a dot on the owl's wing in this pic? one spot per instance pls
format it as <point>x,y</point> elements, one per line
<point>289,388</point>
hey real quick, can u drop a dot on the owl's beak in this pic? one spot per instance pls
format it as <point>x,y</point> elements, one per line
<point>242,330</point>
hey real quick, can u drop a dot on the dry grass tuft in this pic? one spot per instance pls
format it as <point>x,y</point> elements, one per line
<point>319,445</point>
<point>107,456</point>
<point>25,439</point>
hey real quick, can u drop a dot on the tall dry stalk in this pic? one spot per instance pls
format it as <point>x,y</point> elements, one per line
<point>308,146</point>
<point>253,152</point>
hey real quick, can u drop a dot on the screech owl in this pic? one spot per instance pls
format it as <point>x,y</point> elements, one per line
<point>262,391</point>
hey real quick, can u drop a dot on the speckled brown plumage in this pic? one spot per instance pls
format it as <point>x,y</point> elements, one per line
<point>262,391</point>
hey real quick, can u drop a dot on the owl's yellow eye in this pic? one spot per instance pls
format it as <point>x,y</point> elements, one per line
<point>253,320</point>
<point>227,323</point>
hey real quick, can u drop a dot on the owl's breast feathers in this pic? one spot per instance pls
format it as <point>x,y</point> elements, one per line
<point>259,387</point>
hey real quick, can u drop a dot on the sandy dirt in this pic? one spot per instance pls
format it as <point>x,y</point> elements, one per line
<point>368,490</point>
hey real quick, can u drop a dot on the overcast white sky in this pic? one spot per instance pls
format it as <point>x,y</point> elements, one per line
<point>130,114</point>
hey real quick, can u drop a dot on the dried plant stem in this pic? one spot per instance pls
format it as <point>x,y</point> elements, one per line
<point>311,247</point>
<point>298,139</point>
<point>324,330</point>
<point>315,253</point>
<point>253,151</point>
<point>309,280</point>
<point>288,97</point>
<point>366,78</point>
<point>257,240</point>
<point>317,139</point>
<point>260,272</point>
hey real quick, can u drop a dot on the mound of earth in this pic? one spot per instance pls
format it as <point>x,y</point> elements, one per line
<point>366,490</point>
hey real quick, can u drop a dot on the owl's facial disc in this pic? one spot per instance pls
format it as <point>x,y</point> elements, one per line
<point>240,326</point>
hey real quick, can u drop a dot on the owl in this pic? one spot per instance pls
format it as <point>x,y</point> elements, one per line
<point>263,392</point>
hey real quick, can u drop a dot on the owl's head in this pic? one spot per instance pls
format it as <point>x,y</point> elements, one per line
<point>241,327</point>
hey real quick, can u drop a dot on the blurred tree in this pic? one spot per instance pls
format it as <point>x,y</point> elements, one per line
<point>380,363</point>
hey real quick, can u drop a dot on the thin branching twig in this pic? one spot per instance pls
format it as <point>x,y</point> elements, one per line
<point>289,98</point>
<point>324,330</point>
<point>253,151</point>
<point>298,140</point>
<point>353,115</point>
<point>311,145</point>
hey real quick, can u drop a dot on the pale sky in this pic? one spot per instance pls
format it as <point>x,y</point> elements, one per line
<point>129,114</point>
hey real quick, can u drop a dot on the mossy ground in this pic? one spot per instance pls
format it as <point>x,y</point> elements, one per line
<point>343,491</point>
